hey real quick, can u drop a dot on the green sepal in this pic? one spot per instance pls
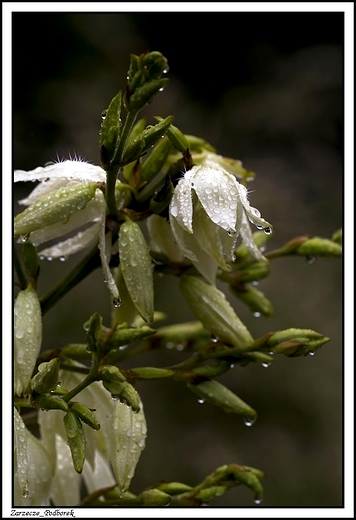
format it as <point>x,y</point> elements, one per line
<point>296,342</point>
<point>46,379</point>
<point>76,439</point>
<point>85,414</point>
<point>176,137</point>
<point>210,493</point>
<point>255,271</point>
<point>145,140</point>
<point>215,393</point>
<point>56,206</point>
<point>50,402</point>
<point>78,351</point>
<point>136,267</point>
<point>151,372</point>
<point>93,327</point>
<point>162,196</point>
<point>211,307</point>
<point>120,389</point>
<point>155,497</point>
<point>110,131</point>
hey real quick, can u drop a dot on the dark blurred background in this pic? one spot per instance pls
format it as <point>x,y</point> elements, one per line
<point>266,88</point>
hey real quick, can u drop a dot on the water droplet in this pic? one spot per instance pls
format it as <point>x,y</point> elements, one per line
<point>258,500</point>
<point>249,421</point>
<point>49,258</point>
<point>257,314</point>
<point>25,493</point>
<point>41,257</point>
<point>214,339</point>
<point>24,238</point>
<point>232,365</point>
<point>62,258</point>
<point>255,282</point>
<point>170,345</point>
<point>266,364</point>
<point>268,230</point>
<point>231,232</point>
<point>312,353</point>
<point>59,383</point>
<point>103,114</point>
<point>116,302</point>
<point>122,492</point>
<point>310,259</point>
<point>201,401</point>
<point>114,397</point>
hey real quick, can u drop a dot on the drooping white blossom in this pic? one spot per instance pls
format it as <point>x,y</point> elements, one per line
<point>87,218</point>
<point>209,210</point>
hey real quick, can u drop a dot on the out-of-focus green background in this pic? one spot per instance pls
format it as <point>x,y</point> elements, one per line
<point>265,88</point>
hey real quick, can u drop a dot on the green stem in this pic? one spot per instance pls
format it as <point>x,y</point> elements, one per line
<point>18,268</point>
<point>129,122</point>
<point>111,177</point>
<point>88,380</point>
<point>83,269</point>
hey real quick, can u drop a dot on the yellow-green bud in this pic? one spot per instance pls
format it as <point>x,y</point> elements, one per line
<point>176,137</point>
<point>155,64</point>
<point>50,402</point>
<point>174,488</point>
<point>28,337</point>
<point>76,351</point>
<point>317,246</point>
<point>155,497</point>
<point>136,267</point>
<point>156,160</point>
<point>56,206</point>
<point>211,307</point>
<point>127,440</point>
<point>144,95</point>
<point>296,341</point>
<point>337,236</point>
<point>255,271</point>
<point>215,393</point>
<point>209,493</point>
<point>46,379</point>
<point>76,439</point>
<point>128,335</point>
<point>151,372</point>
<point>85,414</point>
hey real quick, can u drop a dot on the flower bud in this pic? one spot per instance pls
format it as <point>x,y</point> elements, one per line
<point>156,160</point>
<point>151,372</point>
<point>116,384</point>
<point>127,440</point>
<point>110,131</point>
<point>50,402</point>
<point>85,414</point>
<point>337,236</point>
<point>255,271</point>
<point>145,140</point>
<point>155,64</point>
<point>211,307</point>
<point>317,246</point>
<point>76,439</point>
<point>260,238</point>
<point>209,493</point>
<point>174,488</point>
<point>176,137</point>
<point>215,393</point>
<point>28,337</point>
<point>125,336</point>
<point>78,351</point>
<point>58,205</point>
<point>254,299</point>
<point>136,267</point>
<point>145,94</point>
<point>46,379</point>
<point>155,497</point>
<point>296,341</point>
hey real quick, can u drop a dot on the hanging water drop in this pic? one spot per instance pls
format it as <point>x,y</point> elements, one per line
<point>258,500</point>
<point>62,258</point>
<point>49,258</point>
<point>249,421</point>
<point>257,314</point>
<point>312,353</point>
<point>201,401</point>
<point>116,302</point>
<point>266,364</point>
<point>24,238</point>
<point>310,259</point>
<point>268,230</point>
<point>214,339</point>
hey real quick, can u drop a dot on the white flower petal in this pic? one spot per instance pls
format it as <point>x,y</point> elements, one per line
<point>181,205</point>
<point>105,251</point>
<point>43,189</point>
<point>247,238</point>
<point>100,477</point>
<point>161,238</point>
<point>65,487</point>
<point>74,244</point>
<point>77,170</point>
<point>180,236</point>
<point>253,214</point>
<point>218,193</point>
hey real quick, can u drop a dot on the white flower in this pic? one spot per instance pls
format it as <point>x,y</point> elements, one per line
<point>208,211</point>
<point>53,180</point>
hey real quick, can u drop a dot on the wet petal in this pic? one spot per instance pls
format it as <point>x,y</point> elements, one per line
<point>253,214</point>
<point>77,170</point>
<point>73,244</point>
<point>181,206</point>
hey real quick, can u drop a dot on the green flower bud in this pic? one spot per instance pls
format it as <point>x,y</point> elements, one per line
<point>174,488</point>
<point>112,374</point>
<point>198,144</point>
<point>215,393</point>
<point>123,337</point>
<point>50,402</point>
<point>127,440</point>
<point>78,351</point>
<point>155,497</point>
<point>317,246</point>
<point>296,341</point>
<point>110,131</point>
<point>260,238</point>
<point>337,236</point>
<point>93,327</point>
<point>156,160</point>
<point>251,480</point>
<point>46,379</point>
<point>254,299</point>
<point>176,137</point>
<point>151,372</point>
<point>28,337</point>
<point>85,414</point>
<point>30,259</point>
<point>76,439</point>
<point>116,384</point>
<point>130,397</point>
<point>209,493</point>
<point>136,267</point>
<point>183,333</point>
<point>255,271</point>
<point>58,205</point>
<point>144,95</point>
<point>146,139</point>
<point>155,64</point>
<point>211,371</point>
<point>211,307</point>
